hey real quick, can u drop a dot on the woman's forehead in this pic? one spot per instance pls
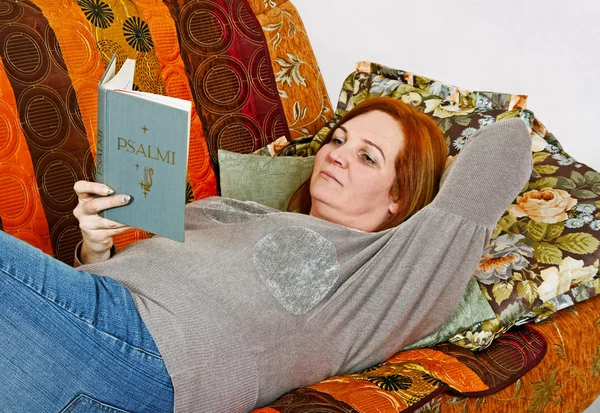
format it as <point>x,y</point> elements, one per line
<point>375,125</point>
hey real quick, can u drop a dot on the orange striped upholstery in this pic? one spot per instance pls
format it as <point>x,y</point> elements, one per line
<point>53,53</point>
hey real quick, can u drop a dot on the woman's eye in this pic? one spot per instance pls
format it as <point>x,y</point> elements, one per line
<point>337,141</point>
<point>368,159</point>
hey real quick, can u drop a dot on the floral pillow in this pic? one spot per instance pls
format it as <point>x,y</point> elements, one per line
<point>439,99</point>
<point>543,255</point>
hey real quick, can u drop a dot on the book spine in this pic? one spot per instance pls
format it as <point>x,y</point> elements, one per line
<point>101,141</point>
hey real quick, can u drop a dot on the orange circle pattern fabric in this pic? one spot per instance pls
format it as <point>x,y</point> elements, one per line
<point>21,210</point>
<point>57,145</point>
<point>53,53</point>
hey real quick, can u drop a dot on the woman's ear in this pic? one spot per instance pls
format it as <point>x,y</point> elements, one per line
<point>393,208</point>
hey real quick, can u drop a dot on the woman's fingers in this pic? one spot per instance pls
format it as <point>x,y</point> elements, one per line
<point>108,224</point>
<point>98,223</point>
<point>94,205</point>
<point>90,204</point>
<point>102,238</point>
<point>87,190</point>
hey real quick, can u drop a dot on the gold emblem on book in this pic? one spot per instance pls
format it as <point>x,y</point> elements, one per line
<point>146,183</point>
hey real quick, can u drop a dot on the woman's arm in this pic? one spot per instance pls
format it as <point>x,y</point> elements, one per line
<point>488,174</point>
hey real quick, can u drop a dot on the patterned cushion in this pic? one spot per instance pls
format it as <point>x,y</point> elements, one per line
<point>566,380</point>
<point>299,82</point>
<point>52,60</point>
<point>214,55</point>
<point>413,378</point>
<point>547,241</point>
<point>229,67</point>
<point>544,255</point>
<point>441,100</point>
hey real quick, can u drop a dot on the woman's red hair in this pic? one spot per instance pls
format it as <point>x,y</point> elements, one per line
<point>419,164</point>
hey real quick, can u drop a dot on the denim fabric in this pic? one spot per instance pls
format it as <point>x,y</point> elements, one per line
<point>72,341</point>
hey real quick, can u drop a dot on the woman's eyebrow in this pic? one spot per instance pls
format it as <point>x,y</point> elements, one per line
<point>367,141</point>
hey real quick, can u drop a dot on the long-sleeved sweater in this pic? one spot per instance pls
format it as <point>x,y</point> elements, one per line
<point>257,302</point>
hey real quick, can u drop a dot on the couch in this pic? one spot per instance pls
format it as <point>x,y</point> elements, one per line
<point>248,68</point>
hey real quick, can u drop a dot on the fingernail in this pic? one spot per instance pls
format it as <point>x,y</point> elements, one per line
<point>108,190</point>
<point>126,199</point>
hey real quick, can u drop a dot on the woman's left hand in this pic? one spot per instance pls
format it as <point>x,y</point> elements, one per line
<point>97,231</point>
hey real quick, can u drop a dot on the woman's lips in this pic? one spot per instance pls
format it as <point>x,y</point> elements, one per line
<point>329,177</point>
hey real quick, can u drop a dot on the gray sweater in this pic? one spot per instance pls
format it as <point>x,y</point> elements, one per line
<point>258,302</point>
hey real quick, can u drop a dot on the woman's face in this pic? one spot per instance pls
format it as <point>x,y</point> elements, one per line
<point>353,173</point>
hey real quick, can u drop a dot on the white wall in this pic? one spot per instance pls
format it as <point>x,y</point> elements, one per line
<point>547,49</point>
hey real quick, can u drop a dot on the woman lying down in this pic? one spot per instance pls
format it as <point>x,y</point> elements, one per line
<point>258,302</point>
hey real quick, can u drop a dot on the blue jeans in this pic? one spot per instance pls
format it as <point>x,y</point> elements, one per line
<point>72,341</point>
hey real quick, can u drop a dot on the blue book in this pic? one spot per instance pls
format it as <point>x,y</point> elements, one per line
<point>142,150</point>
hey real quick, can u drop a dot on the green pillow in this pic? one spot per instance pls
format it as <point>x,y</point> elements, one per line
<point>270,181</point>
<point>473,308</point>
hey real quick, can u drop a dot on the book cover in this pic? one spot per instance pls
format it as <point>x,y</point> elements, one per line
<point>142,150</point>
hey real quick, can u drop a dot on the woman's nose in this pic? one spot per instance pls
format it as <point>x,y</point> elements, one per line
<point>339,156</point>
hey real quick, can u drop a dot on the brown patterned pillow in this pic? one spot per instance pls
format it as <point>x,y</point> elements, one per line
<point>443,101</point>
